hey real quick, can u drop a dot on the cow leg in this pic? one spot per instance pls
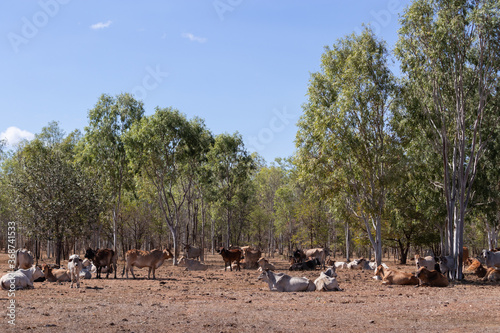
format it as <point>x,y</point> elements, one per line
<point>114,267</point>
<point>149,272</point>
<point>132,271</point>
<point>154,270</point>
<point>98,273</point>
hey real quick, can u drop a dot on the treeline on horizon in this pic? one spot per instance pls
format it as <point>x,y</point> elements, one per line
<point>381,162</point>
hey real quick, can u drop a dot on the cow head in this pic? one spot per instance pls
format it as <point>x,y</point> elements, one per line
<point>90,254</point>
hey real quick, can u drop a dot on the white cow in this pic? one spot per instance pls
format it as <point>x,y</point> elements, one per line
<point>427,262</point>
<point>492,258</point>
<point>357,264</point>
<point>327,281</point>
<point>74,267</point>
<point>20,279</point>
<point>283,282</point>
<point>23,259</point>
<point>340,264</point>
<point>191,264</point>
<point>87,269</point>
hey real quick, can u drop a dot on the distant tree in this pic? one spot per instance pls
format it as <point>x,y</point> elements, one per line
<point>345,135</point>
<point>162,148</point>
<point>102,149</point>
<point>51,193</point>
<point>230,167</point>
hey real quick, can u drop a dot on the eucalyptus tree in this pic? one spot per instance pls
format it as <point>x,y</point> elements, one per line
<point>450,55</point>
<point>162,148</point>
<point>50,192</point>
<point>345,134</point>
<point>230,167</point>
<point>102,148</point>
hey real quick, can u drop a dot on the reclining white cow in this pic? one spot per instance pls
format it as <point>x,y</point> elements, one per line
<point>327,281</point>
<point>191,264</point>
<point>286,283</point>
<point>21,279</point>
<point>87,269</point>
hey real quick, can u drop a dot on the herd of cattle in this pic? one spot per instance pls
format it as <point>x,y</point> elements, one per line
<point>430,271</point>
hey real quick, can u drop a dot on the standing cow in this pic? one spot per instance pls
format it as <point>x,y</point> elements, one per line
<point>102,258</point>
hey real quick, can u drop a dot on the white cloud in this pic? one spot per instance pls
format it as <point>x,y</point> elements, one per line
<point>194,38</point>
<point>101,25</point>
<point>14,135</point>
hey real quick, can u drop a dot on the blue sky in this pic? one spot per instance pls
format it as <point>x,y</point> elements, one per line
<point>240,65</point>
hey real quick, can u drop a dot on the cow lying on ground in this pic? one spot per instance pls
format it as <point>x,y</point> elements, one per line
<point>309,265</point>
<point>476,268</point>
<point>251,257</point>
<point>390,276</point>
<point>102,258</point>
<point>285,283</point>
<point>23,259</point>
<point>191,264</point>
<point>151,259</point>
<point>229,256</point>
<point>87,269</point>
<point>56,275</point>
<point>492,274</point>
<point>264,264</point>
<point>357,264</point>
<point>192,252</point>
<point>431,278</point>
<point>21,279</point>
<point>428,262</point>
<point>74,267</point>
<point>340,265</point>
<point>492,258</point>
<point>327,281</point>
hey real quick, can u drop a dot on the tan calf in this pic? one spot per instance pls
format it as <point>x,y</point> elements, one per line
<point>431,278</point>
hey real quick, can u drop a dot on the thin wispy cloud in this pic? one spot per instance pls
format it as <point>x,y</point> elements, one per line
<point>14,135</point>
<point>101,25</point>
<point>194,38</point>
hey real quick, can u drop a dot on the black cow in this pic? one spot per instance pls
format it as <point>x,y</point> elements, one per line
<point>309,265</point>
<point>102,258</point>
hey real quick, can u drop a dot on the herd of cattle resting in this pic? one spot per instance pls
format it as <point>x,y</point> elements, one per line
<point>431,271</point>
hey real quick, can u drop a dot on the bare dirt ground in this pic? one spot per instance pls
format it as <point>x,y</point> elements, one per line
<point>218,301</point>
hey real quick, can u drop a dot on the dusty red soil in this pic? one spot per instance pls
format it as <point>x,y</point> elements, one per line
<point>218,301</point>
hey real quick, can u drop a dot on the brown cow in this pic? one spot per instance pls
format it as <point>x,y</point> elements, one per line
<point>56,275</point>
<point>492,274</point>
<point>251,257</point>
<point>152,259</point>
<point>102,258</point>
<point>390,276</point>
<point>431,278</point>
<point>476,268</point>
<point>229,256</point>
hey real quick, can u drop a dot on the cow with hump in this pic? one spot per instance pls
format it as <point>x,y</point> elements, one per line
<point>21,279</point>
<point>151,259</point>
<point>23,259</point>
<point>285,283</point>
<point>102,258</point>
